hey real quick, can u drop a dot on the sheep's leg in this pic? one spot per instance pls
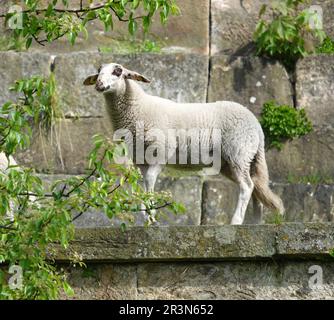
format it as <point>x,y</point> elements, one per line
<point>257,210</point>
<point>246,187</point>
<point>150,175</point>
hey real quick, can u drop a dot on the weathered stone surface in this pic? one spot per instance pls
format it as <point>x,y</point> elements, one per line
<point>190,30</point>
<point>241,280</point>
<point>233,25</point>
<point>305,239</point>
<point>306,203</point>
<point>315,89</point>
<point>15,66</point>
<point>250,81</point>
<point>180,77</point>
<point>103,282</point>
<point>305,156</point>
<point>66,149</point>
<point>173,243</point>
<point>219,242</point>
<point>233,280</point>
<point>303,202</point>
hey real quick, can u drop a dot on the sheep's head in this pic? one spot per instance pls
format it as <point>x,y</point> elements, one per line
<point>111,77</point>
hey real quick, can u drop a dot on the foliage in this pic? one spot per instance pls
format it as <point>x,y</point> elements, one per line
<point>8,43</point>
<point>37,103</point>
<point>282,122</point>
<point>331,252</point>
<point>288,36</point>
<point>46,23</point>
<point>314,179</point>
<point>274,218</point>
<point>132,46</point>
<point>41,217</point>
<point>326,47</point>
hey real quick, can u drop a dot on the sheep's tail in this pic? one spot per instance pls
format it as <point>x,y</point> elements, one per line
<point>260,178</point>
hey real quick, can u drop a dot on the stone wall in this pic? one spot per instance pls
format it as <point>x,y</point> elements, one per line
<point>226,262</point>
<point>184,77</point>
<point>208,57</point>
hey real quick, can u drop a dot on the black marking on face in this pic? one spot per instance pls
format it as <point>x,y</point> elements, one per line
<point>99,69</point>
<point>117,71</point>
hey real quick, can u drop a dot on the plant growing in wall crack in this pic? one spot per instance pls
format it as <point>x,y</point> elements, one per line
<point>288,35</point>
<point>281,123</point>
<point>327,47</point>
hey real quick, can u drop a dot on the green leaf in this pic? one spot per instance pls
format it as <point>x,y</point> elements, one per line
<point>133,26</point>
<point>28,43</point>
<point>135,4</point>
<point>68,290</point>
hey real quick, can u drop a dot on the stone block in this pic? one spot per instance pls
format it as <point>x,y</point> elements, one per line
<point>250,81</point>
<point>306,156</point>
<point>172,243</point>
<point>103,282</point>
<point>235,280</point>
<point>298,239</point>
<point>315,89</point>
<point>233,25</point>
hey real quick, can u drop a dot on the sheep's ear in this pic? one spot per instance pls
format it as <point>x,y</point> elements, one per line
<point>91,80</point>
<point>135,76</point>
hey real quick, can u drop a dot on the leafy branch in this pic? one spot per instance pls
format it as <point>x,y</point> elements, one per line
<point>44,24</point>
<point>289,34</point>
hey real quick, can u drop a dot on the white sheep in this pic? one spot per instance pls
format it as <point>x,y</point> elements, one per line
<point>241,148</point>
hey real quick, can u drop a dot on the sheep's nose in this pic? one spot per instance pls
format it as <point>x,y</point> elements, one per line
<point>100,86</point>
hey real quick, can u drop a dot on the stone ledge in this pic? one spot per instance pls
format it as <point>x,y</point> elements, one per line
<point>203,243</point>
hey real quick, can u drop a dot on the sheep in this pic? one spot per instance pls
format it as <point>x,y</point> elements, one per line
<point>241,147</point>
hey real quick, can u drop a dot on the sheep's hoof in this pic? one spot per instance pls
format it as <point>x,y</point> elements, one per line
<point>236,221</point>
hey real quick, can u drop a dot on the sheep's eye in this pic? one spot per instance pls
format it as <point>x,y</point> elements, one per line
<point>117,72</point>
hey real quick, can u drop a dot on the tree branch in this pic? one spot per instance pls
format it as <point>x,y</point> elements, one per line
<point>78,11</point>
<point>8,226</point>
